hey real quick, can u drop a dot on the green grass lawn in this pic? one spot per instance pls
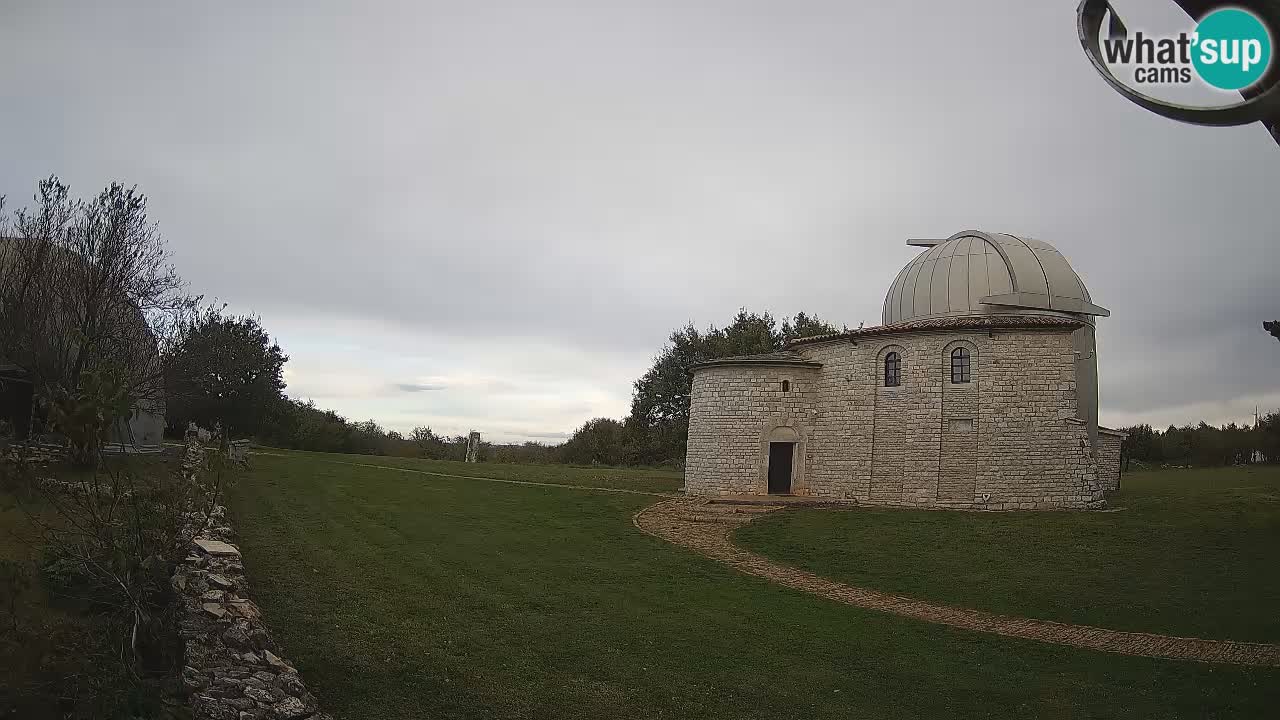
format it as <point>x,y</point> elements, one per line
<point>641,479</point>
<point>1194,552</point>
<point>407,596</point>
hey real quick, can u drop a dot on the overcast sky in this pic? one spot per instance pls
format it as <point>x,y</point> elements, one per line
<point>491,215</point>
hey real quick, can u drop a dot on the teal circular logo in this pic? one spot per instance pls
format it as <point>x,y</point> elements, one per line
<point>1232,49</point>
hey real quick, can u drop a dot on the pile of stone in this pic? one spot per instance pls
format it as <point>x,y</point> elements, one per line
<point>38,455</point>
<point>233,669</point>
<point>78,488</point>
<point>238,451</point>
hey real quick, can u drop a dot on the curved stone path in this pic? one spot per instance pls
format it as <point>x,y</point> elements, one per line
<point>706,529</point>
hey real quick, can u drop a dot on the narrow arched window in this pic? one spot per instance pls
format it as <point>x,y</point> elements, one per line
<point>892,370</point>
<point>786,386</point>
<point>960,372</point>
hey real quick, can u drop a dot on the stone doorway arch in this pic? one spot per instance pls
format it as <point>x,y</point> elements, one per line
<point>784,433</point>
<point>782,462</point>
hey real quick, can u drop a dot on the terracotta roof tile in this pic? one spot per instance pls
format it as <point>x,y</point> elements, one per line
<point>781,357</point>
<point>965,322</point>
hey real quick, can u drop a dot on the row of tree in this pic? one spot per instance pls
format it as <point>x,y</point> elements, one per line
<point>1206,445</point>
<point>229,370</point>
<point>300,425</point>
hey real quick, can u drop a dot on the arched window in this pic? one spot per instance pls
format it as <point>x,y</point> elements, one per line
<point>892,370</point>
<point>786,386</point>
<point>960,365</point>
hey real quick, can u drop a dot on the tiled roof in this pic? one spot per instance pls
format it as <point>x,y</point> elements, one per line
<point>968,322</point>
<point>782,357</point>
<point>964,322</point>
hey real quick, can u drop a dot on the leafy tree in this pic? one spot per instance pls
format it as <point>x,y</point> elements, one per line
<point>429,444</point>
<point>528,452</point>
<point>806,326</point>
<point>86,413</point>
<point>1273,328</point>
<point>86,292</point>
<point>1142,443</point>
<point>227,370</point>
<point>1206,445</point>
<point>598,441</point>
<point>659,423</point>
<point>85,285</point>
<point>1268,436</point>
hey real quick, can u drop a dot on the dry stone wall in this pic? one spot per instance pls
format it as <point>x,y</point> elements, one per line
<point>233,668</point>
<point>1109,458</point>
<point>1009,439</point>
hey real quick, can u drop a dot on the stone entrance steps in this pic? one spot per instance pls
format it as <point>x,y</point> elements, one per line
<point>717,510</point>
<point>770,501</point>
<point>735,510</point>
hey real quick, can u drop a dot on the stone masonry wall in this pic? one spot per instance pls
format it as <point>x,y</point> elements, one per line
<point>233,670</point>
<point>733,411</point>
<point>960,428</point>
<point>1009,439</point>
<point>1033,451</point>
<point>1109,459</point>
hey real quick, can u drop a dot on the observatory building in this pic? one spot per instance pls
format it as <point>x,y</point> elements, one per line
<point>979,391</point>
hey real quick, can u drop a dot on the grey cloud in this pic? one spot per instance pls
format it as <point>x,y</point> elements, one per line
<point>591,177</point>
<point>548,435</point>
<point>416,387</point>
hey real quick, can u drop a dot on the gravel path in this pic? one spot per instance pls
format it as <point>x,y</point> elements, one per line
<point>706,528</point>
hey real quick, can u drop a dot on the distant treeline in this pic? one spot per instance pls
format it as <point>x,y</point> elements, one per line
<point>300,425</point>
<point>243,390</point>
<point>229,371</point>
<point>1206,445</point>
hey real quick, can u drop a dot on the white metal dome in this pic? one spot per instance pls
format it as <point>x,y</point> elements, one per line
<point>980,273</point>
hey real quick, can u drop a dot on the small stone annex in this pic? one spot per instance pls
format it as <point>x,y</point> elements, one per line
<point>979,391</point>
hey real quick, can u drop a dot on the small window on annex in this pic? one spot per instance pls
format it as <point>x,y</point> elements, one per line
<point>892,370</point>
<point>786,386</point>
<point>960,368</point>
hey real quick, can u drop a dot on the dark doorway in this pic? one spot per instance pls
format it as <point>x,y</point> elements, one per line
<point>780,467</point>
<point>15,406</point>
